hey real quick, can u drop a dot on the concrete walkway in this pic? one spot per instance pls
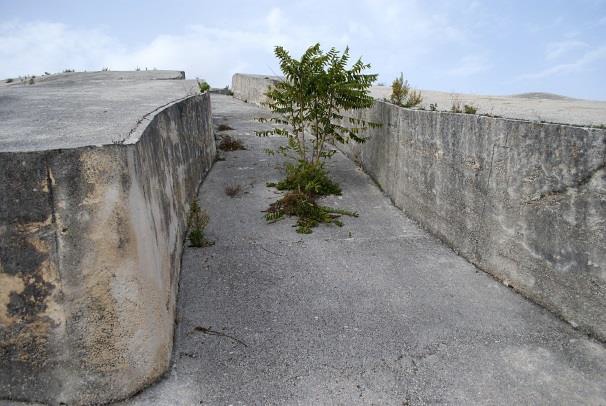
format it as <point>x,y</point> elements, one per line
<point>375,312</point>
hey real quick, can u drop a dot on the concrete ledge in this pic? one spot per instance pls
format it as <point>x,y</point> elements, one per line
<point>90,246</point>
<point>524,201</point>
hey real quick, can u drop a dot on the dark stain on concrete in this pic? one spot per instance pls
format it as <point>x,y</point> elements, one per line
<point>32,301</point>
<point>17,255</point>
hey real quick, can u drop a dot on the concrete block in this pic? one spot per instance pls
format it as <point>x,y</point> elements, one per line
<point>252,88</point>
<point>90,246</point>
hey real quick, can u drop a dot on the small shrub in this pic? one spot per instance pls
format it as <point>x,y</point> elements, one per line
<point>233,190</point>
<point>307,107</point>
<point>433,106</point>
<point>231,144</point>
<point>308,104</point>
<point>457,105</point>
<point>224,127</point>
<point>203,86</point>
<point>308,178</point>
<point>305,207</point>
<point>197,222</point>
<point>470,109</point>
<point>403,95</point>
<point>31,81</point>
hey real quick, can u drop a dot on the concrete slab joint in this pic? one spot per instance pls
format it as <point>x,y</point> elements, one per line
<point>522,200</point>
<point>91,233</point>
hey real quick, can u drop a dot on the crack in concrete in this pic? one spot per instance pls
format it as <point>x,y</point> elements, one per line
<point>51,200</point>
<point>136,126</point>
<point>482,214</point>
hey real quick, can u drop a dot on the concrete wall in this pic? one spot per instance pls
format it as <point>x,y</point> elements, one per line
<point>251,88</point>
<point>524,201</point>
<point>90,246</point>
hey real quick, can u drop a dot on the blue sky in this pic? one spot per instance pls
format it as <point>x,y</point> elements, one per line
<point>486,47</point>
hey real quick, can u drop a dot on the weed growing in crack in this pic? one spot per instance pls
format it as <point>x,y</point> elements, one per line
<point>309,212</point>
<point>470,109</point>
<point>456,107</point>
<point>231,144</point>
<point>197,222</point>
<point>224,127</point>
<point>233,190</point>
<point>305,183</point>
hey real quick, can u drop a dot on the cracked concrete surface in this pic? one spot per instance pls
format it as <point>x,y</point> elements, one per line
<point>375,312</point>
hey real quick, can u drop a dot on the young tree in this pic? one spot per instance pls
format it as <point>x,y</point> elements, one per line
<point>311,100</point>
<point>309,107</point>
<point>403,95</point>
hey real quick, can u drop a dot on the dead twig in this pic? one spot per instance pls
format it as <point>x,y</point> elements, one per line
<point>210,332</point>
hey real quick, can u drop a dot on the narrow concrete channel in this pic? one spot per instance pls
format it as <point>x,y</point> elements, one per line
<point>375,312</point>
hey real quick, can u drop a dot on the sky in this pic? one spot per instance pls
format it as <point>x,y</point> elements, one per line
<point>483,47</point>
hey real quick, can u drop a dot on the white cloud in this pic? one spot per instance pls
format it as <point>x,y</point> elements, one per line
<point>393,35</point>
<point>210,53</point>
<point>556,50</point>
<point>23,47</point>
<point>584,62</point>
<point>411,24</point>
<point>274,20</point>
<point>470,65</point>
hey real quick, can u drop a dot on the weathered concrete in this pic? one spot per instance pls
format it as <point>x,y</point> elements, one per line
<point>376,312</point>
<point>81,109</point>
<point>251,88</point>
<point>524,201</point>
<point>540,107</point>
<point>91,237</point>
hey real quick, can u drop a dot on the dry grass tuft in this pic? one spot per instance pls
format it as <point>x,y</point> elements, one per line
<point>224,127</point>
<point>231,144</point>
<point>233,190</point>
